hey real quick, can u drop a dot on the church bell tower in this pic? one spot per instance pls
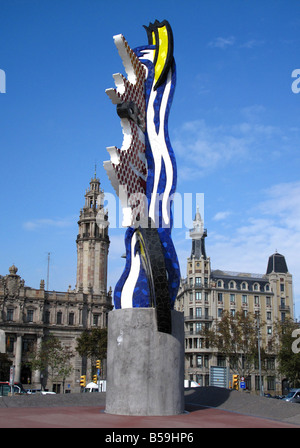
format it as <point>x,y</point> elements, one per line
<point>92,242</point>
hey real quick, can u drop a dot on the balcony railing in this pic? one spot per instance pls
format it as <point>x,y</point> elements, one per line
<point>198,318</point>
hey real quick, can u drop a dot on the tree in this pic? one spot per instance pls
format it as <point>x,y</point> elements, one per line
<point>92,344</point>
<point>52,357</point>
<point>288,360</point>
<point>5,364</point>
<point>235,338</point>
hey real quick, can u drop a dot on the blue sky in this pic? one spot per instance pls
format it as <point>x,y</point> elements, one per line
<point>234,126</point>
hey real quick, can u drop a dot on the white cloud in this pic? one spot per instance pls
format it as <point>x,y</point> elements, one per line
<point>225,42</point>
<point>222,42</point>
<point>251,43</point>
<point>48,222</point>
<point>202,148</point>
<point>276,226</point>
<point>220,216</point>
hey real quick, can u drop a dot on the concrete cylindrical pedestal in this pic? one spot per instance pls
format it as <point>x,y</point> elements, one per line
<point>145,368</point>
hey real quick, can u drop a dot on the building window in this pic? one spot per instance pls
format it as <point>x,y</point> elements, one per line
<point>232,298</point>
<point>59,317</point>
<point>220,297</point>
<point>71,319</point>
<point>198,295</point>
<point>281,287</point>
<point>256,300</point>
<point>47,317</point>
<point>232,312</point>
<point>191,296</point>
<point>231,285</point>
<point>219,284</point>
<point>10,314</point>
<point>271,383</point>
<point>267,287</point>
<point>244,285</point>
<point>27,344</point>
<point>271,363</point>
<point>198,281</point>
<point>198,311</point>
<point>199,361</point>
<point>269,330</point>
<point>221,361</point>
<point>257,382</point>
<point>198,327</point>
<point>29,315</point>
<point>95,319</point>
<point>220,312</point>
<point>205,360</point>
<point>10,340</point>
<point>268,301</point>
<point>269,315</point>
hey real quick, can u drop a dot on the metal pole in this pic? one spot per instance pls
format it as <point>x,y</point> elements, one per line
<point>259,359</point>
<point>48,271</point>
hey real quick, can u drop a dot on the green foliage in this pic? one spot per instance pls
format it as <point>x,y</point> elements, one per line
<point>288,361</point>
<point>235,338</point>
<point>93,343</point>
<point>54,357</point>
<point>5,364</point>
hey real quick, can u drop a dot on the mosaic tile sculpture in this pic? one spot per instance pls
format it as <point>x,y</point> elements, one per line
<point>143,173</point>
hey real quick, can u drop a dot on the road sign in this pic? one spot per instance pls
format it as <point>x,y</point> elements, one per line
<point>242,385</point>
<point>11,375</point>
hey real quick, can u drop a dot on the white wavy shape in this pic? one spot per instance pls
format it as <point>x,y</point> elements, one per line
<point>130,283</point>
<point>160,151</point>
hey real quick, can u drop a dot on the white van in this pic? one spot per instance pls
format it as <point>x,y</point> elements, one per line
<point>92,387</point>
<point>190,383</point>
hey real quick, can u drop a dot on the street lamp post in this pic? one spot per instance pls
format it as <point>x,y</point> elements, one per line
<point>259,359</point>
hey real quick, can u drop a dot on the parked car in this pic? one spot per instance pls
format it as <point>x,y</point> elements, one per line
<point>293,396</point>
<point>34,391</point>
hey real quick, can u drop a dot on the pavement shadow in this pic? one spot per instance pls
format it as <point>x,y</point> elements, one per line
<point>205,396</point>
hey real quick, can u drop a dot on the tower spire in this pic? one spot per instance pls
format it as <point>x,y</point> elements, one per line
<point>92,241</point>
<point>198,235</point>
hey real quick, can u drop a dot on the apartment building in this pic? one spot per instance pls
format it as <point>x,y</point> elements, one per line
<point>206,293</point>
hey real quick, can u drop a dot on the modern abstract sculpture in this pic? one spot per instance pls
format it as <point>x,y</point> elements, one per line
<point>143,173</point>
<point>145,334</point>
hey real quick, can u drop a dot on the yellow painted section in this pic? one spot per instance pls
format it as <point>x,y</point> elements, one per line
<point>162,51</point>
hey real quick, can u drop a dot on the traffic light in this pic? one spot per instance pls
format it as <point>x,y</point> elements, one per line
<point>235,381</point>
<point>98,364</point>
<point>83,380</point>
<point>95,378</point>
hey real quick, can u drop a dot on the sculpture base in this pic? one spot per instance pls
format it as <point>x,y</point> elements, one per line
<point>145,368</point>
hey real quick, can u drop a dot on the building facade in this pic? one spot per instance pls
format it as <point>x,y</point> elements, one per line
<point>205,294</point>
<point>29,315</point>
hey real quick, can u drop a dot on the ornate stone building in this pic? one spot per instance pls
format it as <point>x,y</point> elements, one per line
<point>28,315</point>
<point>204,295</point>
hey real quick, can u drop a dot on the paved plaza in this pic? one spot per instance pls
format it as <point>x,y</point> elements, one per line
<point>204,408</point>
